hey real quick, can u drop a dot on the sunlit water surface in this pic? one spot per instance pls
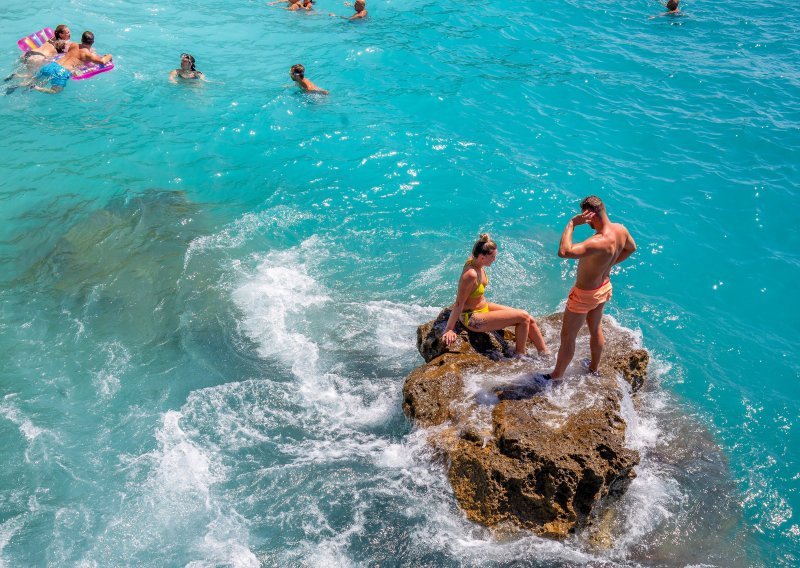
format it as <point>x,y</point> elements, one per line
<point>209,293</point>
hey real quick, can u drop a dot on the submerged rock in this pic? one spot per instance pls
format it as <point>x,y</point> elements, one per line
<point>520,450</point>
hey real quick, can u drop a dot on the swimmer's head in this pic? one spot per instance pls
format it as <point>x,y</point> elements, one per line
<point>87,38</point>
<point>297,72</point>
<point>484,246</point>
<point>672,5</point>
<point>308,2</point>
<point>188,60</point>
<point>61,45</point>
<point>360,5</point>
<point>61,32</point>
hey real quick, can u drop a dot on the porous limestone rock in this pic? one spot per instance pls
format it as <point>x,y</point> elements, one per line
<point>521,450</point>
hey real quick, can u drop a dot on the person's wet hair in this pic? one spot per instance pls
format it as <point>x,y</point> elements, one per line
<point>87,38</point>
<point>593,204</point>
<point>298,71</point>
<point>190,58</point>
<point>484,245</point>
<point>61,45</point>
<point>672,5</point>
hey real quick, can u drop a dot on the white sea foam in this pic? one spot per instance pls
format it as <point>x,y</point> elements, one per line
<point>24,424</point>
<point>8,529</point>
<point>243,229</point>
<point>107,379</point>
<point>176,507</point>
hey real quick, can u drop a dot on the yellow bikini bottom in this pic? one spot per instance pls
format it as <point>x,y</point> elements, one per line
<point>466,313</point>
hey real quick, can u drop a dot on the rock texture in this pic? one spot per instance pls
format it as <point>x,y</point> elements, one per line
<point>523,451</point>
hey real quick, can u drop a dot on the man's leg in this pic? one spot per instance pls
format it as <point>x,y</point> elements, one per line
<point>569,331</point>
<point>596,338</point>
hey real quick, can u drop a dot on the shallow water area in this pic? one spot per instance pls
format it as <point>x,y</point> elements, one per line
<point>210,292</point>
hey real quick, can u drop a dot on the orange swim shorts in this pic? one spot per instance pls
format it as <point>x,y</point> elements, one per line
<point>584,301</point>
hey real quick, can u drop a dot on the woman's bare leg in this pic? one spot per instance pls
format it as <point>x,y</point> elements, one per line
<point>534,333</point>
<point>496,319</point>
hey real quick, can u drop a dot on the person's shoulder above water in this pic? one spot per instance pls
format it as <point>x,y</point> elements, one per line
<point>298,75</point>
<point>85,52</point>
<point>360,8</point>
<point>187,70</point>
<point>673,9</point>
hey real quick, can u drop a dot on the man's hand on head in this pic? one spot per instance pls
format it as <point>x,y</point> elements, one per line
<point>583,217</point>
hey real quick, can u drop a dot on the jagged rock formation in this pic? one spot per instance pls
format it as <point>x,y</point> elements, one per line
<point>519,450</point>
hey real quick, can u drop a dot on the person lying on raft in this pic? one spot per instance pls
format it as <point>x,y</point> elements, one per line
<point>54,76</point>
<point>187,70</point>
<point>476,314</point>
<point>33,59</point>
<point>361,11</point>
<point>59,43</point>
<point>297,73</point>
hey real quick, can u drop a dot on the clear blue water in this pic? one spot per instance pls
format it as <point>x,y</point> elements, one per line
<point>209,294</point>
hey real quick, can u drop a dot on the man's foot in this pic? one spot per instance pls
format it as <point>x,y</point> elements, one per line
<point>586,366</point>
<point>542,377</point>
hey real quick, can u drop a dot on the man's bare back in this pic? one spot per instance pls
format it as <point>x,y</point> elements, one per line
<point>606,247</point>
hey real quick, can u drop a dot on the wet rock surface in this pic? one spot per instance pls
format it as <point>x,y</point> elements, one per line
<point>541,455</point>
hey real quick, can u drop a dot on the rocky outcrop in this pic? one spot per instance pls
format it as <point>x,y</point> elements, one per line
<point>520,450</point>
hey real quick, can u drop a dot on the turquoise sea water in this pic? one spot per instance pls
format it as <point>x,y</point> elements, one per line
<point>209,293</point>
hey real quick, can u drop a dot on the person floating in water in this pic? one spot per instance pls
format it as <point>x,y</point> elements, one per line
<point>34,59</point>
<point>610,245</point>
<point>672,9</point>
<point>295,5</point>
<point>297,73</point>
<point>54,76</point>
<point>187,70</point>
<point>361,11</point>
<point>476,314</point>
<point>59,43</point>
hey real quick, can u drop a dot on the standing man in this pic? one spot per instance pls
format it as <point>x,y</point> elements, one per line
<point>610,245</point>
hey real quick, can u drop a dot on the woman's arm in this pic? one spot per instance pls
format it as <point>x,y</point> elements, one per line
<point>172,75</point>
<point>467,283</point>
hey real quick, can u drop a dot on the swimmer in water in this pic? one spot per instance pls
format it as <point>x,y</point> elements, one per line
<point>297,73</point>
<point>672,9</point>
<point>34,59</point>
<point>308,5</point>
<point>361,11</point>
<point>295,5</point>
<point>54,76</point>
<point>187,70</point>
<point>477,314</point>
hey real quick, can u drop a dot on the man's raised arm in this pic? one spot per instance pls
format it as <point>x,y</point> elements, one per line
<point>565,248</point>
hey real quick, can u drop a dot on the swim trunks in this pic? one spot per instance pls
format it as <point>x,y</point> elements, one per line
<point>466,313</point>
<point>57,75</point>
<point>584,301</point>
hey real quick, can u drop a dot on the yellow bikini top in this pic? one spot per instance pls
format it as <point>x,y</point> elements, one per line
<point>478,292</point>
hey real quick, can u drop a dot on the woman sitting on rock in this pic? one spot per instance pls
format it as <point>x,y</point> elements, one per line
<point>476,314</point>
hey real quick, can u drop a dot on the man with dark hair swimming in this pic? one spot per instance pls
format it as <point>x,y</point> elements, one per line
<point>361,11</point>
<point>672,9</point>
<point>54,76</point>
<point>610,245</point>
<point>298,75</point>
